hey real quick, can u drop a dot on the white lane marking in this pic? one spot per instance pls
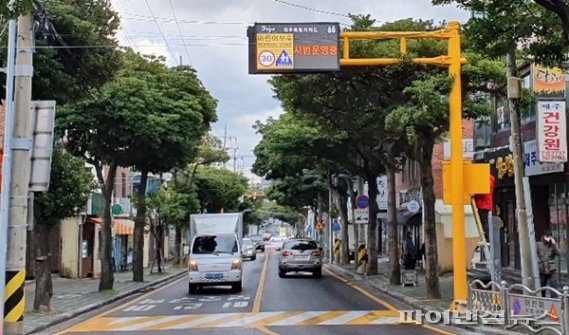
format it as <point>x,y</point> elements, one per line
<point>191,306</point>
<point>297,318</point>
<point>386,321</point>
<point>195,323</point>
<point>227,305</point>
<point>342,319</point>
<point>153,322</point>
<point>249,320</point>
<point>126,319</point>
<point>139,308</point>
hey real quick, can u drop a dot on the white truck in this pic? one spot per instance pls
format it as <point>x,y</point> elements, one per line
<point>215,251</point>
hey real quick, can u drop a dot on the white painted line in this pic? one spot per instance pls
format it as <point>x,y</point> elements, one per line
<point>127,319</point>
<point>227,305</point>
<point>249,320</point>
<point>152,323</point>
<point>342,319</point>
<point>240,304</point>
<point>389,320</point>
<point>297,318</point>
<point>196,323</point>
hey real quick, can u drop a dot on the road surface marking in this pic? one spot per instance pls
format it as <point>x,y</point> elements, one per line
<point>298,318</point>
<point>341,320</point>
<point>242,322</point>
<point>248,320</point>
<point>151,323</point>
<point>362,291</point>
<point>259,295</point>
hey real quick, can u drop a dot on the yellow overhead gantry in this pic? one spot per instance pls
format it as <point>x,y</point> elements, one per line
<point>457,174</point>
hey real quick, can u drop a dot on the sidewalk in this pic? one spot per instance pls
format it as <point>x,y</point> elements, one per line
<point>73,297</point>
<point>414,296</point>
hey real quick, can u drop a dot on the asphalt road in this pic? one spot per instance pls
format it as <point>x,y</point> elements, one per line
<point>297,304</point>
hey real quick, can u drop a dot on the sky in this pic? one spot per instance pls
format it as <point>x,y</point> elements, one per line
<point>210,35</point>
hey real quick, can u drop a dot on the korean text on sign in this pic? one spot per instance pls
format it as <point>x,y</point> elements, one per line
<point>551,132</point>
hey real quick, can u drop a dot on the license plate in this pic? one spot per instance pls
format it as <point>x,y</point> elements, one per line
<point>301,258</point>
<point>213,275</point>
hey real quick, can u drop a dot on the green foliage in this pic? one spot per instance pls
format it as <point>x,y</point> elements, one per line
<point>72,67</point>
<point>70,185</point>
<point>219,189</point>
<point>149,117</point>
<point>174,204</point>
<point>502,26</point>
<point>18,8</point>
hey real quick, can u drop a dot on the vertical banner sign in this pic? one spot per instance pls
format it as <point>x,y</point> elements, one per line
<point>293,47</point>
<point>548,82</point>
<point>551,131</point>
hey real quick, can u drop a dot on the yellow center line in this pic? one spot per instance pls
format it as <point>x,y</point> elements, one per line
<point>259,295</point>
<point>266,330</point>
<point>362,291</point>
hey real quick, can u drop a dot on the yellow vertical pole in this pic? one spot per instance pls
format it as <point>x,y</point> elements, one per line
<point>456,166</point>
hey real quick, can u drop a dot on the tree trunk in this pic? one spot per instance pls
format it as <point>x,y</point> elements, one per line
<point>139,223</point>
<point>392,236</point>
<point>44,285</point>
<point>178,246</point>
<point>107,276</point>
<point>425,158</point>
<point>354,224</point>
<point>372,223</point>
<point>344,246</point>
<point>159,244</point>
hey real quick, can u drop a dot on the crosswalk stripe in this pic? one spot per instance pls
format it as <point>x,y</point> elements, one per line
<point>345,318</point>
<point>297,318</point>
<point>201,321</point>
<point>249,320</point>
<point>142,325</point>
<point>226,320</point>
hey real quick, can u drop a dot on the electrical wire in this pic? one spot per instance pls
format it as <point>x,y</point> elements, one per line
<point>161,33</point>
<point>310,8</point>
<point>137,17</point>
<point>180,31</point>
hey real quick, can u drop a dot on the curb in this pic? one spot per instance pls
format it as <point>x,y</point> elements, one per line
<point>404,299</point>
<point>89,308</point>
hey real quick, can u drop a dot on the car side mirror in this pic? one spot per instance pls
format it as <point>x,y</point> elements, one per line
<point>320,249</point>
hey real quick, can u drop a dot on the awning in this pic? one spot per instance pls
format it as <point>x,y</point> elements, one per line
<point>120,226</point>
<point>123,226</point>
<point>410,219</point>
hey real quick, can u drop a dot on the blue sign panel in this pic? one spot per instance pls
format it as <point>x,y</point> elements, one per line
<point>362,201</point>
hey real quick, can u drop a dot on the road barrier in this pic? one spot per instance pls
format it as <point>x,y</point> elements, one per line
<point>517,305</point>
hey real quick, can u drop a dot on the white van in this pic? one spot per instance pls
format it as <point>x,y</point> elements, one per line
<point>215,253</point>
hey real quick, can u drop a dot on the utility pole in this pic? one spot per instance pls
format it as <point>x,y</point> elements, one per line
<point>235,158</point>
<point>225,140</point>
<point>19,143</point>
<point>516,145</point>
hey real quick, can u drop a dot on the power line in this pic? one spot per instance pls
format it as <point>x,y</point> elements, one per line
<point>161,33</point>
<point>180,31</point>
<point>310,8</point>
<point>136,17</point>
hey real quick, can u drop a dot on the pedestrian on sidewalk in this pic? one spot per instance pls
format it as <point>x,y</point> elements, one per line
<point>547,251</point>
<point>362,259</point>
<point>337,243</point>
<point>409,257</point>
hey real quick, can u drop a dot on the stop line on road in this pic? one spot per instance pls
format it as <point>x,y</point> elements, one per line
<point>226,320</point>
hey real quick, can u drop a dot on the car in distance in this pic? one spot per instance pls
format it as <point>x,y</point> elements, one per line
<point>248,249</point>
<point>258,242</point>
<point>300,254</point>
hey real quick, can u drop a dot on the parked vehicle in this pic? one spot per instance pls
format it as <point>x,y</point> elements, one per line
<point>300,254</point>
<point>248,249</point>
<point>215,252</point>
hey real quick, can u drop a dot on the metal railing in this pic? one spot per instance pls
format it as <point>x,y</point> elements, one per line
<point>544,309</point>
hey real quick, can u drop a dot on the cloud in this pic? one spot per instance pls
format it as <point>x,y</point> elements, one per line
<point>213,32</point>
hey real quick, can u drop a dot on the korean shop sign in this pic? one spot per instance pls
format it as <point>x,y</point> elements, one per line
<point>293,47</point>
<point>548,82</point>
<point>551,131</point>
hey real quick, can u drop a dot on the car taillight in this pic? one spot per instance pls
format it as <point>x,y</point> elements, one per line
<point>193,266</point>
<point>286,253</point>
<point>236,264</point>
<point>317,253</point>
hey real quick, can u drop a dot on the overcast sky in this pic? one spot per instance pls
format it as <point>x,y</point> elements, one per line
<point>211,36</point>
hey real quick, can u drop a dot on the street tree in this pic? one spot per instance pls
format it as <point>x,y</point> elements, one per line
<point>149,117</point>
<point>69,189</point>
<point>219,189</point>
